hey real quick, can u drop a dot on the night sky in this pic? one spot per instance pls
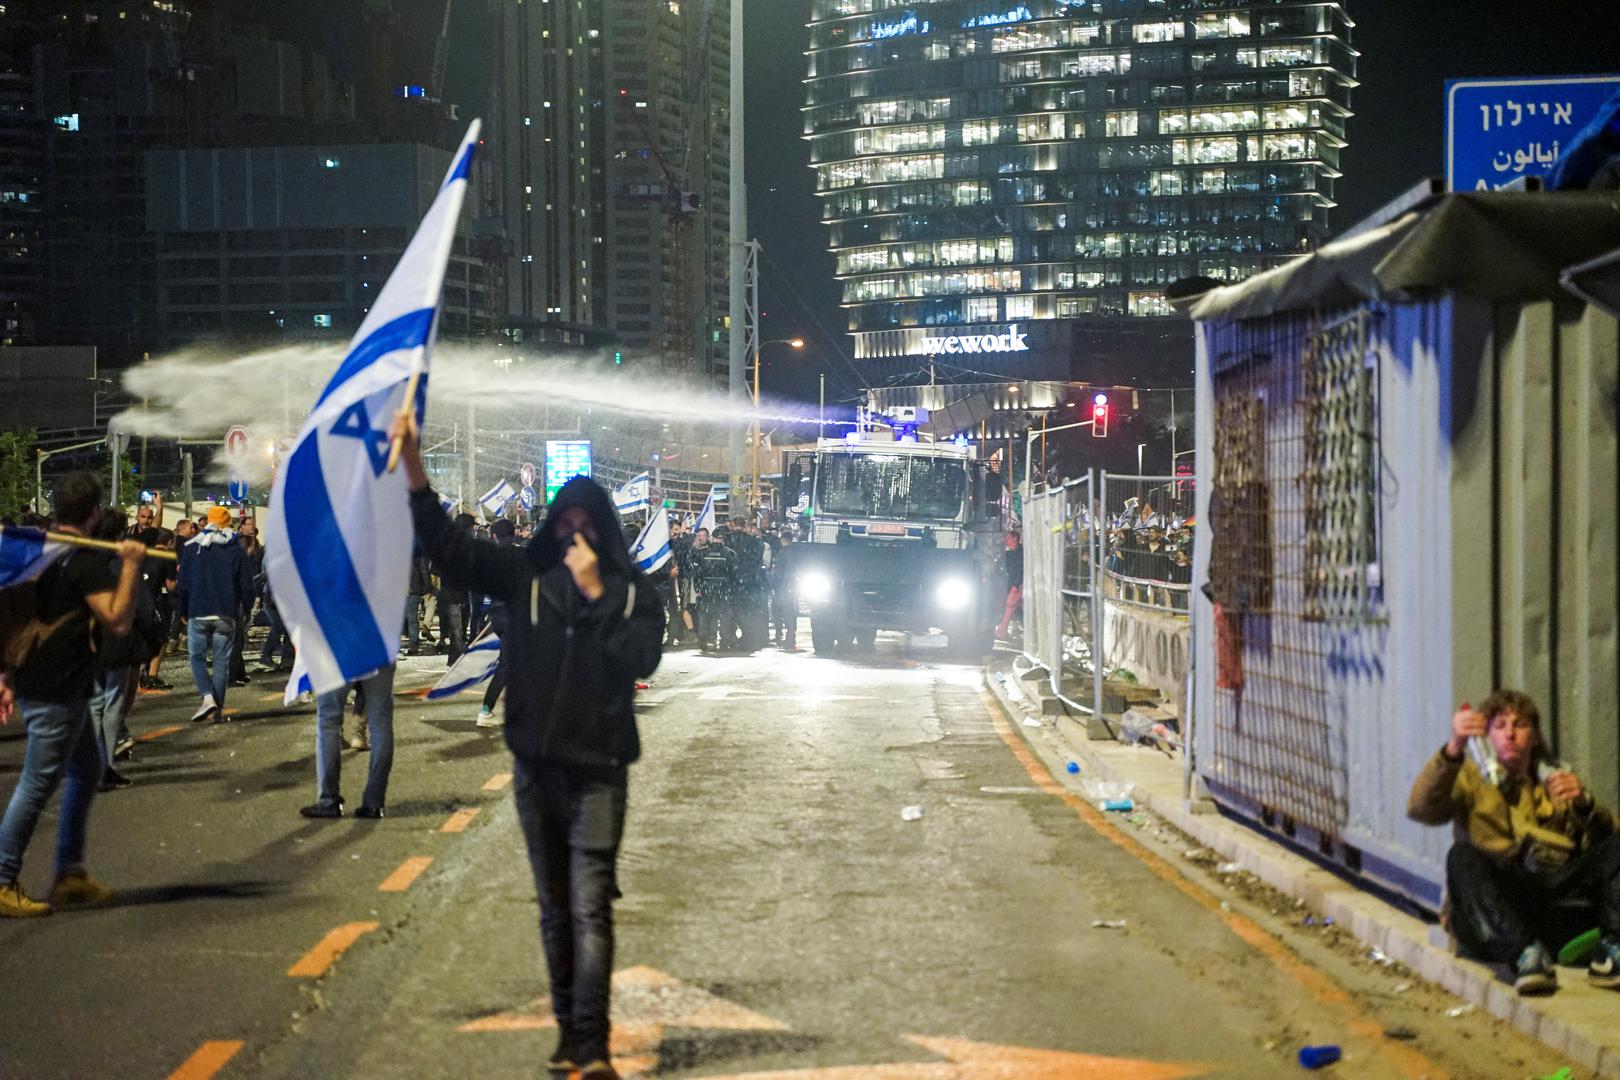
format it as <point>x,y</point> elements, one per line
<point>1409,48</point>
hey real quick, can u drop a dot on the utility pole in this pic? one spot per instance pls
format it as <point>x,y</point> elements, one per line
<point>185,480</point>
<point>821,420</point>
<point>737,371</point>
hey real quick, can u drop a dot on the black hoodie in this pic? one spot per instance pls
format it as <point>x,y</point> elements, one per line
<point>571,664</point>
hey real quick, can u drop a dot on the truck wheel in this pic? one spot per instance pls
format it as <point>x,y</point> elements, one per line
<point>823,636</point>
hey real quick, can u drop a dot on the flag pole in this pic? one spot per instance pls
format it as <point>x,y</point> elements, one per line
<point>405,410</point>
<point>103,545</point>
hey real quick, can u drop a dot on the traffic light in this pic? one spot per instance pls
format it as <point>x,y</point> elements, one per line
<point>618,359</point>
<point>1099,416</point>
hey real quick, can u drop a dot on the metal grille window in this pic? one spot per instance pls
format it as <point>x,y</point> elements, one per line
<point>1343,581</point>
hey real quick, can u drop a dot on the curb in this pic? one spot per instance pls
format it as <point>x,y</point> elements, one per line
<point>1375,923</point>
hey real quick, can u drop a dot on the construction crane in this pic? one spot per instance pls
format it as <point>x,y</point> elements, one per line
<point>441,55</point>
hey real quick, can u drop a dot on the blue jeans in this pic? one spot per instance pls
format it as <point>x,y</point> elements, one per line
<point>109,705</point>
<point>60,741</point>
<point>211,636</point>
<point>413,621</point>
<point>572,823</point>
<point>379,691</point>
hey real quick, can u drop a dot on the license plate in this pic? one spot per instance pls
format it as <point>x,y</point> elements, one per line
<point>886,530</point>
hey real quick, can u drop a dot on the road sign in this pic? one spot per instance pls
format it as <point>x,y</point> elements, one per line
<point>1498,130</point>
<point>526,498</point>
<point>722,493</point>
<point>238,487</point>
<point>565,459</point>
<point>236,442</point>
<point>527,474</point>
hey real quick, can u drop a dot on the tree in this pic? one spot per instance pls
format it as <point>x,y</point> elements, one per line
<point>16,471</point>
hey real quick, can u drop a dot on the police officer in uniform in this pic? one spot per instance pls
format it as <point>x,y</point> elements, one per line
<point>716,573</point>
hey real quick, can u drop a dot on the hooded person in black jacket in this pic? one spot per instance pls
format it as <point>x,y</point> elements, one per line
<point>582,626</point>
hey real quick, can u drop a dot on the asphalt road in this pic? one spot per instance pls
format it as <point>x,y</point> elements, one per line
<point>781,917</point>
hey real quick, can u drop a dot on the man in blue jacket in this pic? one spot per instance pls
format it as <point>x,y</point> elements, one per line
<point>582,625</point>
<point>215,589</point>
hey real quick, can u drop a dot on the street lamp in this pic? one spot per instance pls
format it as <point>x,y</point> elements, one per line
<point>796,343</point>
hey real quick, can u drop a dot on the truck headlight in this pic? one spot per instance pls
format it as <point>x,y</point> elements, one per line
<point>953,594</point>
<point>815,586</point>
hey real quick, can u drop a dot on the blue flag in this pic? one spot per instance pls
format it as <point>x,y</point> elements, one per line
<point>338,546</point>
<point>25,554</point>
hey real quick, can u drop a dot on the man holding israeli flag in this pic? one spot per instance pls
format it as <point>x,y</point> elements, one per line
<point>707,519</point>
<point>337,557</point>
<point>495,499</point>
<point>635,496</point>
<point>651,550</point>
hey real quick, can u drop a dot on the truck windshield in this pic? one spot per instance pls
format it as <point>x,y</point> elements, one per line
<point>897,486</point>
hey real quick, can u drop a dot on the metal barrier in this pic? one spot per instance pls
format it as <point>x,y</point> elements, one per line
<point>1147,542</point>
<point>1060,584</point>
<point>1106,583</point>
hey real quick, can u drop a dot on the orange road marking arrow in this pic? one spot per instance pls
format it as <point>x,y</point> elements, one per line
<point>498,781</point>
<point>409,870</point>
<point>207,1060</point>
<point>319,960</point>
<point>459,820</point>
<point>967,1060</point>
<point>643,997</point>
<point>148,736</point>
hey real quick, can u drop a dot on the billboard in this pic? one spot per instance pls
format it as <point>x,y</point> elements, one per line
<point>565,459</point>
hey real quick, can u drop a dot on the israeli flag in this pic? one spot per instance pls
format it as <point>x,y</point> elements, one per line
<point>472,667</point>
<point>339,538</point>
<point>635,495</point>
<point>651,549</point>
<point>26,553</point>
<point>495,499</point>
<point>297,682</point>
<point>707,519</point>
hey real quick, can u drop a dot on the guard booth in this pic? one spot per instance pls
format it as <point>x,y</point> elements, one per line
<point>1406,463</point>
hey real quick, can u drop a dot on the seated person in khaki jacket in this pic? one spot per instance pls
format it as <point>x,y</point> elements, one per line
<point>1536,860</point>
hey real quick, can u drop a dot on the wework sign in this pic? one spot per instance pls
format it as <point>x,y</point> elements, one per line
<point>1008,341</point>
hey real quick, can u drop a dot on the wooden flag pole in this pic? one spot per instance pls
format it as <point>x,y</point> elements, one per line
<point>408,409</point>
<point>105,545</point>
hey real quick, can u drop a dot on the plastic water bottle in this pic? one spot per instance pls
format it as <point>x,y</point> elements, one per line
<point>1317,1057</point>
<point>1073,767</point>
<point>1124,805</point>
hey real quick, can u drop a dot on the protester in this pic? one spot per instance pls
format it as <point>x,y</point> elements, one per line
<point>159,575</point>
<point>377,692</point>
<point>1012,568</point>
<point>455,607</point>
<point>247,534</point>
<point>503,534</point>
<point>420,591</point>
<point>215,590</point>
<point>583,625</point>
<point>119,659</point>
<point>51,687</point>
<point>1536,861</point>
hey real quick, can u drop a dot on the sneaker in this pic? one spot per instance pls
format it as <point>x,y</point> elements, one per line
<point>1534,974</point>
<point>369,813</point>
<point>305,697</point>
<point>487,718</point>
<point>241,680</point>
<point>78,888</point>
<point>321,810</point>
<point>562,1059</point>
<point>156,683</point>
<point>598,1069</point>
<point>1604,968</point>
<point>112,780</point>
<point>125,749</point>
<point>205,710</point>
<point>359,742</point>
<point>14,903</point>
